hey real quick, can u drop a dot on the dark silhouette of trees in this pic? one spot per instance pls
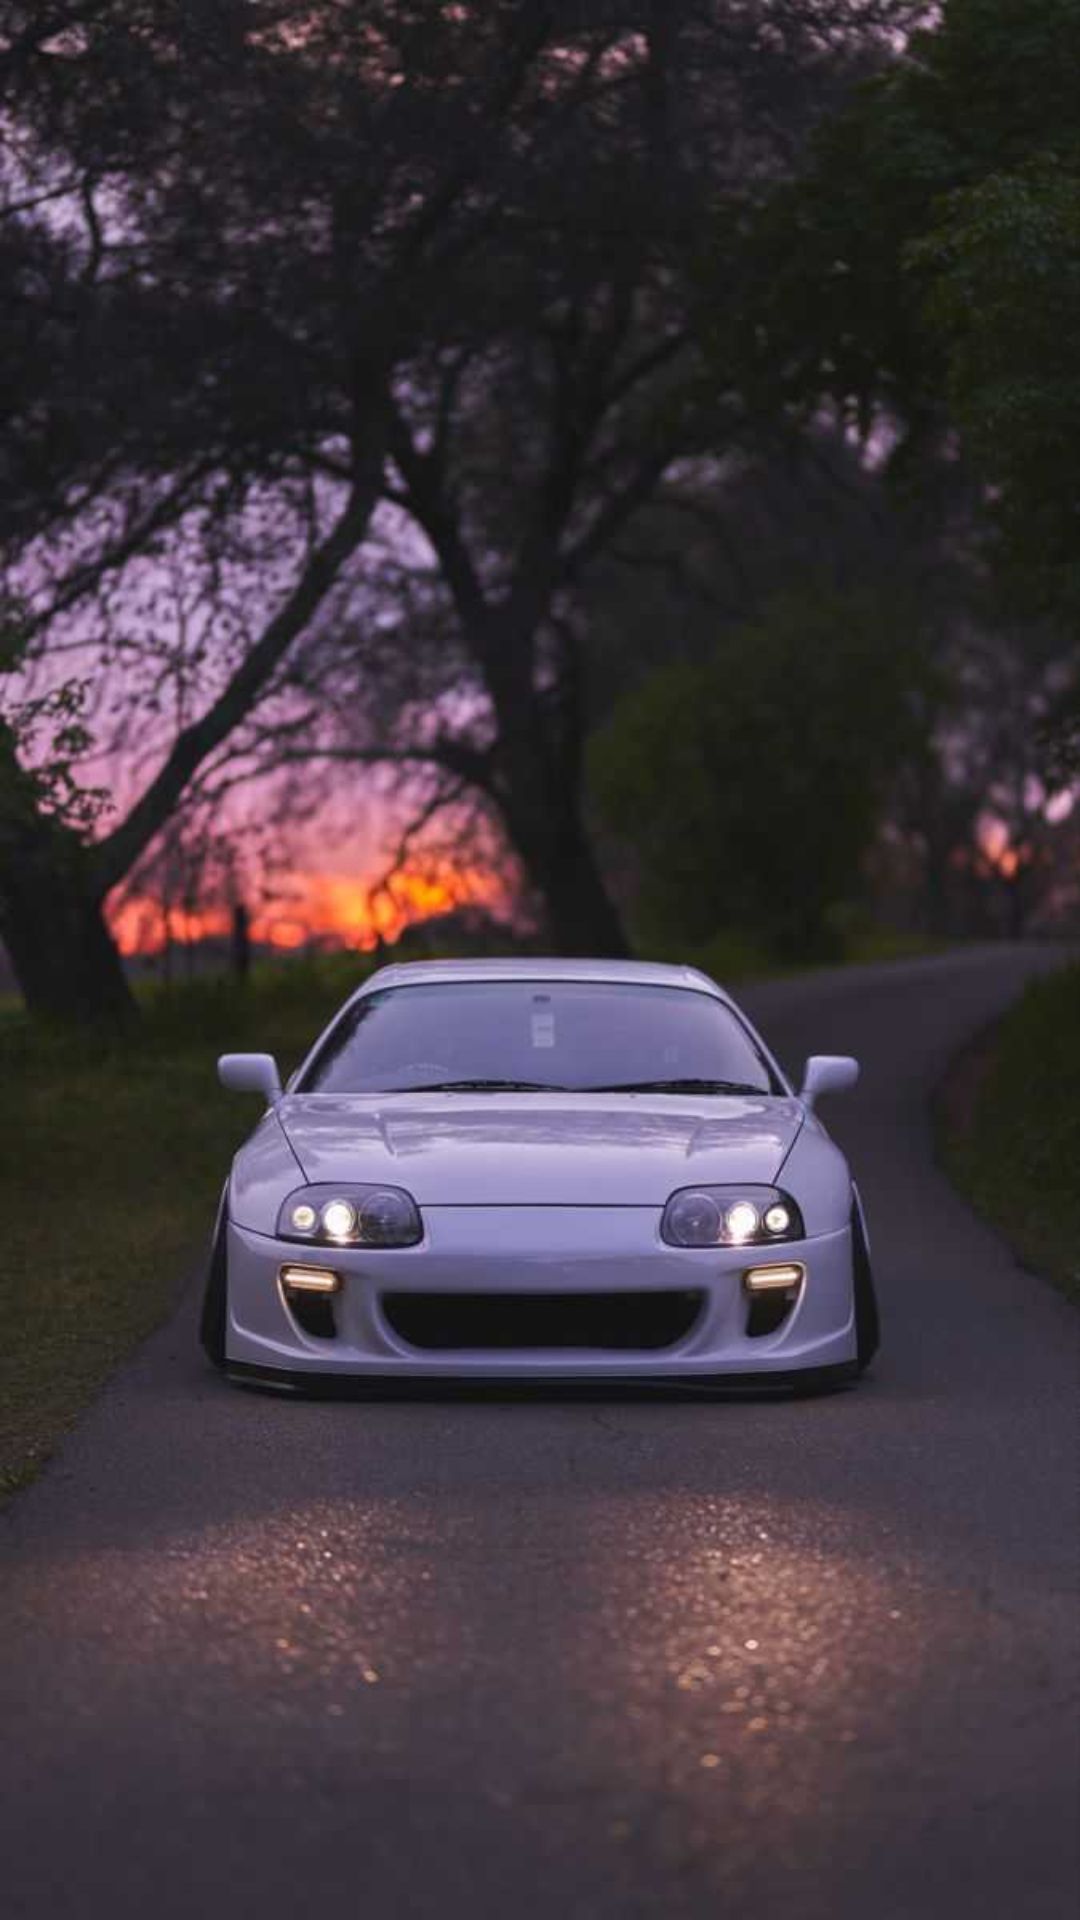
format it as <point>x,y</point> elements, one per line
<point>274,270</point>
<point>750,785</point>
<point>925,269</point>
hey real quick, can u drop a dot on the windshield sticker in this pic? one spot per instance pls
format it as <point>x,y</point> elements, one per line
<point>543,1029</point>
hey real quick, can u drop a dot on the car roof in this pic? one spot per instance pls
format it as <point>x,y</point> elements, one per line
<point>645,973</point>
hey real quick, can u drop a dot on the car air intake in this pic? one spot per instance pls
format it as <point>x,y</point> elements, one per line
<point>506,1322</point>
<point>767,1313</point>
<point>313,1313</point>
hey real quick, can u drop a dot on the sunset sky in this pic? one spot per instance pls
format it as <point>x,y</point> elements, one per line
<point>317,904</point>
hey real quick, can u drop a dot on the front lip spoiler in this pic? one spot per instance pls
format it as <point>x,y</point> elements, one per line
<point>428,1386</point>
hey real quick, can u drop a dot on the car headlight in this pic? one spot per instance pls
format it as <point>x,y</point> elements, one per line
<point>350,1216</point>
<point>730,1217</point>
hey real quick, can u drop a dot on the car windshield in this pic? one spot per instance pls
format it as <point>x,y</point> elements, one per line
<point>538,1035</point>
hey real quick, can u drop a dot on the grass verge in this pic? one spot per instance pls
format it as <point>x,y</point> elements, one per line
<point>1009,1127</point>
<point>114,1154</point>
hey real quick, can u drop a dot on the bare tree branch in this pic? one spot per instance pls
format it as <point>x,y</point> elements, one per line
<point>614,513</point>
<point>85,578</point>
<point>43,199</point>
<point>644,366</point>
<point>471,764</point>
<point>426,500</point>
<point>443,797</point>
<point>93,227</point>
<point>112,856</point>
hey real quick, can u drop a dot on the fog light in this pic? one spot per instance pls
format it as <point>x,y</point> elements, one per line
<point>774,1279</point>
<point>310,1279</point>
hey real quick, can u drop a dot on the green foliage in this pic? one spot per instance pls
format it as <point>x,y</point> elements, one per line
<point>928,265</point>
<point>47,738</point>
<point>43,737</point>
<point>114,1154</point>
<point>749,788</point>
<point>1012,1140</point>
<point>1003,269</point>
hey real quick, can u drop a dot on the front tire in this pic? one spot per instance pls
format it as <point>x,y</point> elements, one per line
<point>867,1319</point>
<point>215,1306</point>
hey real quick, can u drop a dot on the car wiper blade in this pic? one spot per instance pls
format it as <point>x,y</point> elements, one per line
<point>485,1086</point>
<point>678,1086</point>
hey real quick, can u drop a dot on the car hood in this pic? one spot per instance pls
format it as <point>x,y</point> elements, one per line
<point>540,1149</point>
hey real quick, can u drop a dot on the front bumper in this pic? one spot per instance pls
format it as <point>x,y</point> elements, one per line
<point>538,1250</point>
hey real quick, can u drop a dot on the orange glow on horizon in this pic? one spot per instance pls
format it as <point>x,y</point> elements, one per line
<point>332,908</point>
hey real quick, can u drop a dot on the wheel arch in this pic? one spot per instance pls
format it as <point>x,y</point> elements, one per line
<point>215,1301</point>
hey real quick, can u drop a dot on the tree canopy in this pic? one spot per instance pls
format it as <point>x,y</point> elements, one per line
<point>924,272</point>
<point>751,785</point>
<point>283,271</point>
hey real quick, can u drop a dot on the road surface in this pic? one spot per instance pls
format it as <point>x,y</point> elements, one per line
<point>603,1657</point>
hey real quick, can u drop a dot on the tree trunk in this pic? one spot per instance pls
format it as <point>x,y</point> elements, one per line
<point>582,918</point>
<point>240,942</point>
<point>542,812</point>
<point>51,923</point>
<point>52,886</point>
<point>536,781</point>
<point>65,960</point>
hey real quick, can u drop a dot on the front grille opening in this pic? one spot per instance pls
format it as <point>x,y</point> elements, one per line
<point>505,1322</point>
<point>313,1312</point>
<point>768,1311</point>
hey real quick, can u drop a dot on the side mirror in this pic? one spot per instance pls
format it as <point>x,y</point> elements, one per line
<point>828,1073</point>
<point>251,1073</point>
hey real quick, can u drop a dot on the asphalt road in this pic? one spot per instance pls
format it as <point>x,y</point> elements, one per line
<point>610,1657</point>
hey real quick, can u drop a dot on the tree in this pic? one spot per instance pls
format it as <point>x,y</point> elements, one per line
<point>228,226</point>
<point>522,455</point>
<point>1003,269</point>
<point>726,536</point>
<point>924,273</point>
<point>280,254</point>
<point>750,787</point>
<point>46,812</point>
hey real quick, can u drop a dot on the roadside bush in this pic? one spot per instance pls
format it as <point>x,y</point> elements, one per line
<point>748,789</point>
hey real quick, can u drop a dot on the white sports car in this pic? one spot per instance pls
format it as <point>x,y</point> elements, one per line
<point>538,1169</point>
